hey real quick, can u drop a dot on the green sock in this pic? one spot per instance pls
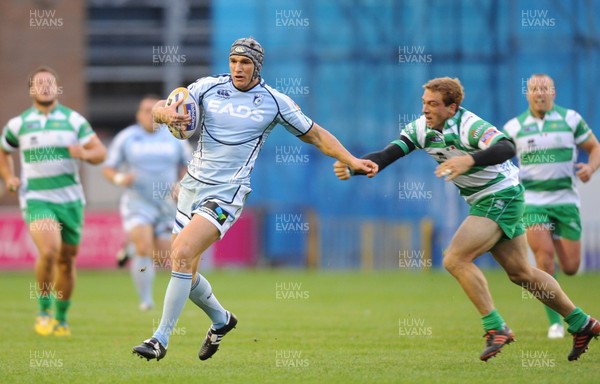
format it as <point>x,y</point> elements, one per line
<point>576,320</point>
<point>45,302</point>
<point>61,309</point>
<point>492,320</point>
<point>553,316</point>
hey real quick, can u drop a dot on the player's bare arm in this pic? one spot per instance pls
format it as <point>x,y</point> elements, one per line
<point>330,146</point>
<point>163,114</point>
<point>93,152</point>
<point>7,172</point>
<point>495,154</point>
<point>585,170</point>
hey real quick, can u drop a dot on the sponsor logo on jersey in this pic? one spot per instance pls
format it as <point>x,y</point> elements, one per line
<point>33,125</point>
<point>241,111</point>
<point>489,135</point>
<point>466,120</point>
<point>499,204</point>
<point>215,211</point>
<point>224,93</point>
<point>476,132</point>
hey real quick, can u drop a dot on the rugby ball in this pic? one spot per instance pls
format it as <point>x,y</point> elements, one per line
<point>188,107</point>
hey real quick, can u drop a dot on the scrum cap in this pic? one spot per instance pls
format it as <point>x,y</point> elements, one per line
<point>250,48</point>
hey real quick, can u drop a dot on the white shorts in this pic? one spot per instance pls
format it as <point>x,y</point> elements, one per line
<point>136,211</point>
<point>221,204</point>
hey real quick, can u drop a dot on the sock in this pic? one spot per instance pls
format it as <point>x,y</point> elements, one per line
<point>62,306</point>
<point>492,320</point>
<point>45,302</point>
<point>201,294</point>
<point>175,297</point>
<point>576,320</point>
<point>142,272</point>
<point>553,316</point>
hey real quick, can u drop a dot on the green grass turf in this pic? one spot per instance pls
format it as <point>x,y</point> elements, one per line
<point>345,327</point>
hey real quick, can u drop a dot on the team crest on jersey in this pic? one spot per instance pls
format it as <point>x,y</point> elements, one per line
<point>215,211</point>
<point>33,141</point>
<point>258,99</point>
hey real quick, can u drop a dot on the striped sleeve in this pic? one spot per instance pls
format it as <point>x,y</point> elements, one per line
<point>82,127</point>
<point>511,128</point>
<point>581,131</point>
<point>10,135</point>
<point>489,136</point>
<point>408,136</point>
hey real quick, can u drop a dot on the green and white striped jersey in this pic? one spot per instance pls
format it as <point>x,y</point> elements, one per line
<point>48,172</point>
<point>463,134</point>
<point>547,151</point>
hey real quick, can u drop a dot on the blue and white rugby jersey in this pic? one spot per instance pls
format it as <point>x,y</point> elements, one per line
<point>153,157</point>
<point>235,125</point>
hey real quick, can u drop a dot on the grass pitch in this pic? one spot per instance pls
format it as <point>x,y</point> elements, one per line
<point>295,327</point>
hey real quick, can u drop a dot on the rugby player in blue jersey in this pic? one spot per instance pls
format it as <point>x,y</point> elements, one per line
<point>145,159</point>
<point>240,111</point>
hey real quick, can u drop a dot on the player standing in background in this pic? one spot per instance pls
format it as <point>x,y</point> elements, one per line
<point>547,137</point>
<point>53,140</point>
<point>240,111</point>
<point>476,157</point>
<point>146,159</point>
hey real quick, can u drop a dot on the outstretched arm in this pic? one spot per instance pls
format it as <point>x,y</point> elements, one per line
<point>330,146</point>
<point>382,158</point>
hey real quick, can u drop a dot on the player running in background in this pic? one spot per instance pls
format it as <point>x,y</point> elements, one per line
<point>240,111</point>
<point>53,140</point>
<point>547,137</point>
<point>145,159</point>
<point>476,157</point>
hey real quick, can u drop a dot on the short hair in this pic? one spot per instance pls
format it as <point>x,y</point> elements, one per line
<point>451,89</point>
<point>41,68</point>
<point>542,75</point>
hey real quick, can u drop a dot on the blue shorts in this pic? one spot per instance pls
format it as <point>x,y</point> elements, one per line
<point>221,204</point>
<point>137,210</point>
